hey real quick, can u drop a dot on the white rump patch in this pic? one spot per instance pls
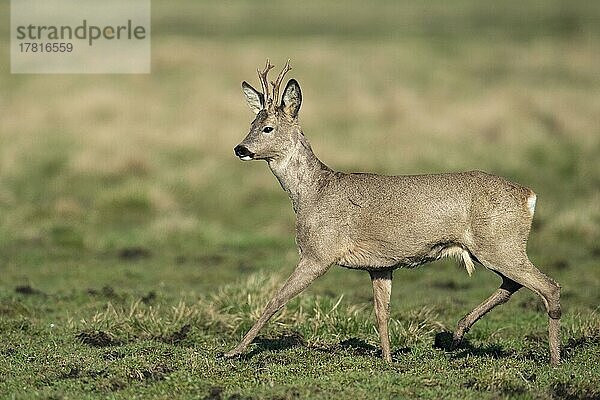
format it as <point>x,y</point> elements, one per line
<point>531,203</point>
<point>461,255</point>
<point>246,158</point>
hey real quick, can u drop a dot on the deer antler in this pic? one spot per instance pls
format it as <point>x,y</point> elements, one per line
<point>271,98</point>
<point>277,83</point>
<point>262,76</point>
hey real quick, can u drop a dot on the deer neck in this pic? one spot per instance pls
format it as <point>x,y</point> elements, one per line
<point>299,172</point>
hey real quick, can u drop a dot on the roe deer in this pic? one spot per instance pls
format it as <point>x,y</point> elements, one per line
<point>379,223</point>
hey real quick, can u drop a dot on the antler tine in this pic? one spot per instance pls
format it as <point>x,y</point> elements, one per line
<point>277,83</point>
<point>262,76</point>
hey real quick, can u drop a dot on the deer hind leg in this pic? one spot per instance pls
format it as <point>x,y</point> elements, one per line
<point>523,272</point>
<point>549,291</point>
<point>500,296</point>
<point>382,289</point>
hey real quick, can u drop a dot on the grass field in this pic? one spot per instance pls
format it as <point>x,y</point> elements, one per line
<point>134,247</point>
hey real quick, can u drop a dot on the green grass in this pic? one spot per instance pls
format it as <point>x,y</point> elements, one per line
<point>134,247</point>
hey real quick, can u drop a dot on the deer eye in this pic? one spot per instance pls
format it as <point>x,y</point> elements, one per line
<point>267,129</point>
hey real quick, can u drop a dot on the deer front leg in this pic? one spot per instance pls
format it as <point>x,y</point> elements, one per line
<point>382,290</point>
<point>304,274</point>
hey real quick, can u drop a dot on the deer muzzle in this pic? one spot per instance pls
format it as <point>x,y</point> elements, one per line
<point>243,153</point>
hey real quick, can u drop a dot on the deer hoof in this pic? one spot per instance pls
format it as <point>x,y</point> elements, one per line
<point>229,355</point>
<point>456,341</point>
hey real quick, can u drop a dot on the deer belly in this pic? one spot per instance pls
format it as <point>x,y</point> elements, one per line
<point>371,255</point>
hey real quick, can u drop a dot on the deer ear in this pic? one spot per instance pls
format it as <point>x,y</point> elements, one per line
<point>292,98</point>
<point>255,99</point>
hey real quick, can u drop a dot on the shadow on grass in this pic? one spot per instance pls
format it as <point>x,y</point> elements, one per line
<point>283,342</point>
<point>443,341</point>
<point>354,346</point>
<point>358,347</point>
<point>576,343</point>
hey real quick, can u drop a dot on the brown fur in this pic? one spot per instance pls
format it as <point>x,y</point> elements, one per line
<point>379,223</point>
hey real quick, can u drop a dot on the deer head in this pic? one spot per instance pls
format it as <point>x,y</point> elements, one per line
<point>275,127</point>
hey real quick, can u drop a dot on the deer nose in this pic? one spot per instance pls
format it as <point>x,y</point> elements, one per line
<point>243,152</point>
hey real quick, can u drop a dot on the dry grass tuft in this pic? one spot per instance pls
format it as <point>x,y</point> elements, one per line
<point>233,309</point>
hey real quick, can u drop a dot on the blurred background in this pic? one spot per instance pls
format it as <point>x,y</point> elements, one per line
<point>134,246</point>
<point>130,180</point>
